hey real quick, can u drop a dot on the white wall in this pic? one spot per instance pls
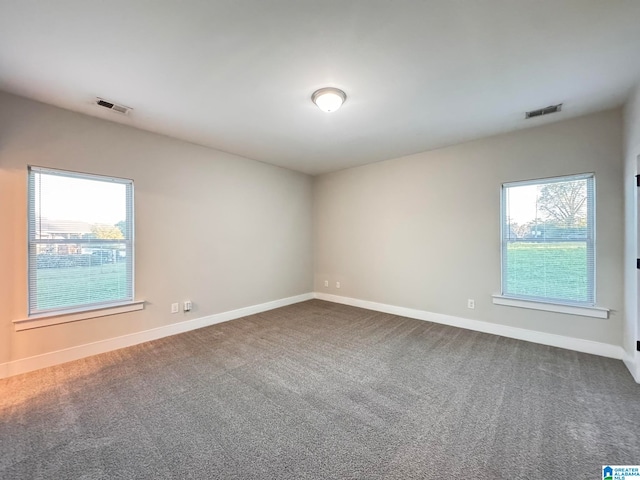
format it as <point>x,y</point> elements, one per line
<point>221,230</point>
<point>423,231</point>
<point>631,250</point>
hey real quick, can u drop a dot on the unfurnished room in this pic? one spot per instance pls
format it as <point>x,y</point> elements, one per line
<point>357,239</point>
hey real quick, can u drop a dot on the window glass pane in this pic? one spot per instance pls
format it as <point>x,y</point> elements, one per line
<point>548,244</point>
<point>80,240</point>
<point>81,206</point>
<point>66,280</point>
<point>548,270</point>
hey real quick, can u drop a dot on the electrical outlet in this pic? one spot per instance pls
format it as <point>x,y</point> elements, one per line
<point>187,306</point>
<point>326,283</point>
<point>471,303</point>
<point>337,284</point>
<point>175,307</point>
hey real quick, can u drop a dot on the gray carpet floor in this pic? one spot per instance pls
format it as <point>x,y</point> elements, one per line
<point>322,391</point>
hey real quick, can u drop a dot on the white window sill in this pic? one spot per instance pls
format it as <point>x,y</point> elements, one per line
<point>596,312</point>
<point>73,315</point>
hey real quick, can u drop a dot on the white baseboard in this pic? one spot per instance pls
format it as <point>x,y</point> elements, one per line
<point>633,366</point>
<point>74,353</point>
<point>569,343</point>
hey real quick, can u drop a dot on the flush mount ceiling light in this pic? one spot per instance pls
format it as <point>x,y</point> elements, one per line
<point>329,99</point>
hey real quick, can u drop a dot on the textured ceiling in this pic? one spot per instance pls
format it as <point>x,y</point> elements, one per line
<point>238,75</point>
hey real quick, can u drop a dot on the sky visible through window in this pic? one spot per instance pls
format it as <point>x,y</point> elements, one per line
<point>559,203</point>
<point>521,203</point>
<point>80,199</point>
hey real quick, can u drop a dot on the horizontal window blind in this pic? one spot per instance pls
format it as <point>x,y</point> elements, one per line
<point>80,240</point>
<point>548,240</point>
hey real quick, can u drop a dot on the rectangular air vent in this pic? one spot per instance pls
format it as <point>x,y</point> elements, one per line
<point>543,111</point>
<point>112,106</point>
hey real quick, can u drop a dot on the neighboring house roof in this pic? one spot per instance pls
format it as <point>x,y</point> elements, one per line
<point>52,227</point>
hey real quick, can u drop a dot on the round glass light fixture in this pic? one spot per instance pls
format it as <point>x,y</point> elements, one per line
<point>329,99</point>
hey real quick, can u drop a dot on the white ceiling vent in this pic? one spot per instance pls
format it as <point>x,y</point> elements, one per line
<point>543,111</point>
<point>101,102</point>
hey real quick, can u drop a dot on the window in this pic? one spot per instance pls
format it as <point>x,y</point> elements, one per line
<point>80,241</point>
<point>548,244</point>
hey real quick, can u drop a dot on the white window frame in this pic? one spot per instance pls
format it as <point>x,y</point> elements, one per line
<point>586,308</point>
<point>78,312</point>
